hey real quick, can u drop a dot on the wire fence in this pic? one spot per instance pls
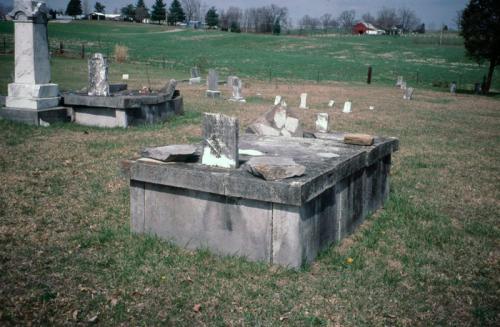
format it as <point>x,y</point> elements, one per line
<point>75,49</point>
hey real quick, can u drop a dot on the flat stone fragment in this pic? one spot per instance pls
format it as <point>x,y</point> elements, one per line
<point>169,89</point>
<point>358,139</point>
<point>220,141</point>
<point>274,168</point>
<point>263,129</point>
<point>172,153</point>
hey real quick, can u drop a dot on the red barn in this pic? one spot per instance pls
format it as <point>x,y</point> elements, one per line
<point>366,28</point>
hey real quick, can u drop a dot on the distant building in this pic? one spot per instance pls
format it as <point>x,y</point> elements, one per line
<point>196,24</point>
<point>366,28</point>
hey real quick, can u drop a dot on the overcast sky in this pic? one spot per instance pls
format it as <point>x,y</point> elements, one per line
<point>434,12</point>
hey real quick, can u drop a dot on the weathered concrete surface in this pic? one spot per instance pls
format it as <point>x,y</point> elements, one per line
<point>285,222</point>
<point>42,117</point>
<point>123,110</point>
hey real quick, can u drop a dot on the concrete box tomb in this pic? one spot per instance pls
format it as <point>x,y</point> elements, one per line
<point>285,222</point>
<point>112,105</point>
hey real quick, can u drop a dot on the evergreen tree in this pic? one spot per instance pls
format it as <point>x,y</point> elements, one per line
<point>176,14</point>
<point>74,8</point>
<point>159,13</point>
<point>128,12</point>
<point>99,7</point>
<point>480,28</point>
<point>141,11</point>
<point>277,27</point>
<point>212,18</point>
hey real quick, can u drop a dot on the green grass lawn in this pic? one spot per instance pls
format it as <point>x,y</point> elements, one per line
<point>325,57</point>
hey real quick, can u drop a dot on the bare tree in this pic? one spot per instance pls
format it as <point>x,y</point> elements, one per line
<point>346,19</point>
<point>408,19</point>
<point>387,19</point>
<point>192,9</point>
<point>326,21</point>
<point>368,18</point>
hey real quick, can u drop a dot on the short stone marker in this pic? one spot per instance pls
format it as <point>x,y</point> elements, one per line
<point>213,84</point>
<point>195,76</point>
<point>408,95</point>
<point>195,72</point>
<point>98,75</point>
<point>303,101</point>
<point>220,141</point>
<point>331,103</point>
<point>453,88</point>
<point>347,107</point>
<point>125,77</point>
<point>274,168</point>
<point>172,153</point>
<point>277,100</point>
<point>399,81</point>
<point>237,86</point>
<point>322,122</point>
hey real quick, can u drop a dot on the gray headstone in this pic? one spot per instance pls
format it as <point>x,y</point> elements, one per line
<point>399,82</point>
<point>453,88</point>
<point>213,80</point>
<point>274,168</point>
<point>408,93</point>
<point>169,89</point>
<point>98,75</point>
<point>220,141</point>
<point>31,87</point>
<point>237,86</point>
<point>477,88</point>
<point>195,73</point>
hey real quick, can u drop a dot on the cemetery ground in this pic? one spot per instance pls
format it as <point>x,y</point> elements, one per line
<point>429,257</point>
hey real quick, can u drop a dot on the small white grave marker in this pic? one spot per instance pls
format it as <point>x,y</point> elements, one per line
<point>277,100</point>
<point>331,103</point>
<point>347,107</point>
<point>303,101</point>
<point>322,122</point>
<point>125,77</point>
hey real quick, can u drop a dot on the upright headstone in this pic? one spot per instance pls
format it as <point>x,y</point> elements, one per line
<point>453,88</point>
<point>347,107</point>
<point>220,141</point>
<point>408,95</point>
<point>98,75</point>
<point>322,122</point>
<point>195,76</point>
<point>399,81</point>
<point>277,100</point>
<point>195,72</point>
<point>213,84</point>
<point>230,79</point>
<point>303,101</point>
<point>237,86</point>
<point>32,88</point>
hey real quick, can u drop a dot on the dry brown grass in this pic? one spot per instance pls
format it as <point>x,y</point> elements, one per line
<point>121,53</point>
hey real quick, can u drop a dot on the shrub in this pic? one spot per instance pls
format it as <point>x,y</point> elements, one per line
<point>121,53</point>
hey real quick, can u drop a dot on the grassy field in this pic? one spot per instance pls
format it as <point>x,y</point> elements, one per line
<point>330,57</point>
<point>430,257</point>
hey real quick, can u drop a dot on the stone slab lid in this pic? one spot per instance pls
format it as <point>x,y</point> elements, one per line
<point>327,161</point>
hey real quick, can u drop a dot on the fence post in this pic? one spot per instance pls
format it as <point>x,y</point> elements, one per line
<point>418,80</point>
<point>317,78</point>
<point>270,74</point>
<point>61,47</point>
<point>163,61</point>
<point>83,51</point>
<point>4,44</point>
<point>369,78</point>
